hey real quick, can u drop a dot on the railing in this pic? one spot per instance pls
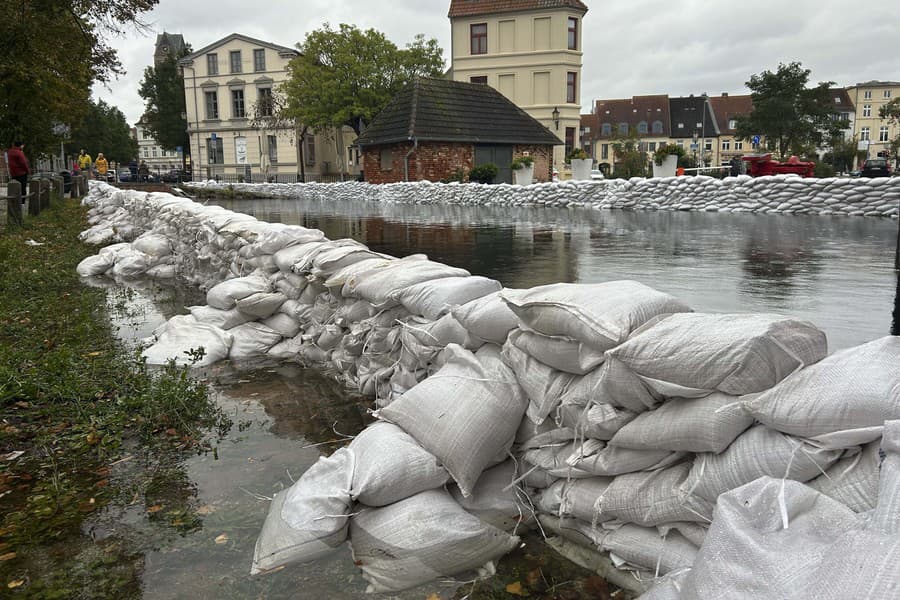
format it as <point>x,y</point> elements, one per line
<point>281,178</point>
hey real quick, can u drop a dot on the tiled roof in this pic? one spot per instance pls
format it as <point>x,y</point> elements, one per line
<point>727,107</point>
<point>632,111</point>
<point>454,111</point>
<point>840,99</point>
<point>691,111</point>
<point>469,8</point>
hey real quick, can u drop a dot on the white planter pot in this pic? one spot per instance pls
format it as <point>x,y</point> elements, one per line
<point>523,176</point>
<point>667,169</point>
<point>581,168</point>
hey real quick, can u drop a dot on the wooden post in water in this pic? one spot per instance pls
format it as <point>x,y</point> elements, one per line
<point>13,204</point>
<point>895,323</point>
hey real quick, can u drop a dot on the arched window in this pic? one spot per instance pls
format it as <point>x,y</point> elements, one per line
<point>606,129</point>
<point>623,128</point>
<point>642,127</point>
<point>657,127</point>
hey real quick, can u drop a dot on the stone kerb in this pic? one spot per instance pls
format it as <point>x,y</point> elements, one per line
<point>781,194</point>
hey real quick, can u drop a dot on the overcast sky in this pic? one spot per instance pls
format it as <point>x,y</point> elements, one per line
<point>631,47</point>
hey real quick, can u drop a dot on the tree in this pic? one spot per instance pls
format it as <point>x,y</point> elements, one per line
<point>891,113</point>
<point>105,130</point>
<point>51,52</point>
<point>164,112</point>
<point>345,77</point>
<point>844,153</point>
<point>631,161</point>
<point>792,116</point>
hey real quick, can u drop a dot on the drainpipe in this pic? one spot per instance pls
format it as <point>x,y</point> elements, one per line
<point>406,159</point>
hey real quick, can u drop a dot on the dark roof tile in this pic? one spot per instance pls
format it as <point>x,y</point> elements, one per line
<point>470,8</point>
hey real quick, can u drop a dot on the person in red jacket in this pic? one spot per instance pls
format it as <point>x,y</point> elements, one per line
<point>19,169</point>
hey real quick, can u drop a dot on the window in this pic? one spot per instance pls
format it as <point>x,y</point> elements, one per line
<point>864,134</point>
<point>732,123</point>
<point>482,79</point>
<point>273,148</point>
<point>883,134</point>
<point>212,64</point>
<point>212,105</point>
<point>887,94</point>
<point>309,149</point>
<point>867,110</point>
<point>478,35</point>
<point>604,151</point>
<point>235,57</point>
<point>707,145</point>
<point>153,152</point>
<point>642,146</point>
<point>738,145</point>
<point>571,89</point>
<point>259,59</point>
<point>570,139</point>
<point>642,127</point>
<point>623,128</point>
<point>681,126</point>
<point>652,146</point>
<point>386,159</point>
<point>657,127</point>
<point>237,104</point>
<point>215,154</point>
<point>606,129</point>
<point>680,143</point>
<point>867,95</point>
<point>265,102</point>
<point>573,33</point>
<point>726,144</point>
<point>699,125</point>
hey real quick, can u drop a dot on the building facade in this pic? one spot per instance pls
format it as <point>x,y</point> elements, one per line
<point>229,90</point>
<point>645,117</point>
<point>873,133</point>
<point>528,50</point>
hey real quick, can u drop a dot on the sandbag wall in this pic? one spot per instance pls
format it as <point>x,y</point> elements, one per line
<point>786,194</point>
<point>610,413</point>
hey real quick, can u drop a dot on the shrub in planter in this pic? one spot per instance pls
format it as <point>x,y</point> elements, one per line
<point>485,173</point>
<point>520,162</point>
<point>577,154</point>
<point>667,150</point>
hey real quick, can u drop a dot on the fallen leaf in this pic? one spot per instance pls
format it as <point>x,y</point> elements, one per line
<point>22,404</point>
<point>8,556</point>
<point>206,509</point>
<point>12,455</point>
<point>222,539</point>
<point>171,431</point>
<point>515,589</point>
<point>155,508</point>
<point>97,353</point>
<point>92,439</point>
<point>16,583</point>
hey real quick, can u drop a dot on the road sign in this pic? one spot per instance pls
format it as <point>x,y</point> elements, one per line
<point>755,139</point>
<point>179,149</point>
<point>212,136</point>
<point>695,146</point>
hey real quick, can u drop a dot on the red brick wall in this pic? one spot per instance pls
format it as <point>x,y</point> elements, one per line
<point>435,161</point>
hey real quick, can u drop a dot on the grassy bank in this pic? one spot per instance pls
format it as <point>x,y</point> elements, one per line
<point>75,405</point>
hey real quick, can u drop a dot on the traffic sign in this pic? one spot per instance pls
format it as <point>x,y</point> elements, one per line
<point>212,136</point>
<point>755,139</point>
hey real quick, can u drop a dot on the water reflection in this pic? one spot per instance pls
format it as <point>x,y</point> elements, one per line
<point>836,272</point>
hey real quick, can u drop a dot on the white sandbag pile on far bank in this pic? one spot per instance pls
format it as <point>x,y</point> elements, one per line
<point>611,412</point>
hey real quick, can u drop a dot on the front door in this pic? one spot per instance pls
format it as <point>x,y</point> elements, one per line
<point>500,156</point>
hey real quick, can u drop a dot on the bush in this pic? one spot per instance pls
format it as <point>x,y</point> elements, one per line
<point>485,173</point>
<point>520,162</point>
<point>666,150</point>
<point>823,169</point>
<point>577,154</point>
<point>458,174</point>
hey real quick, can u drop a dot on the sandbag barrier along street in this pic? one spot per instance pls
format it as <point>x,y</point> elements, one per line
<point>778,194</point>
<point>610,413</point>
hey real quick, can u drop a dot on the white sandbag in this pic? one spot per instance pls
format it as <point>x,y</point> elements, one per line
<point>277,236</point>
<point>226,319</point>
<point>330,337</point>
<point>326,263</point>
<point>852,389</point>
<point>95,265</point>
<point>496,500</point>
<point>296,310</point>
<point>577,498</point>
<point>339,279</point>
<point>261,304</point>
<point>651,498</point>
<point>596,420</point>
<point>352,311</point>
<point>152,244</point>
<point>225,294</point>
<point>380,286</point>
<point>562,353</point>
<point>600,315</point>
<point>182,337</point>
<point>694,354</point>
<point>542,384</point>
<point>287,257</point>
<point>162,271</point>
<point>487,318</point>
<point>391,466</point>
<point>287,348</point>
<point>707,424</point>
<point>309,519</point>
<point>611,383</point>
<point>433,298</point>
<point>644,549</point>
<point>284,324</point>
<point>757,452</point>
<point>420,539</point>
<point>252,339</point>
<point>131,263</point>
<point>465,414</point>
<point>419,333</point>
<point>597,458</point>
<point>853,480</point>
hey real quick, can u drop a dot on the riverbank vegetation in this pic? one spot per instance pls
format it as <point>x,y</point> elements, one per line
<point>77,408</point>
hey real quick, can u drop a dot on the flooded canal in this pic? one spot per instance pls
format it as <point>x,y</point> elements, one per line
<point>197,537</point>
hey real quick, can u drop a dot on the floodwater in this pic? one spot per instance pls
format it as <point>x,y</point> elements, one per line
<point>835,272</point>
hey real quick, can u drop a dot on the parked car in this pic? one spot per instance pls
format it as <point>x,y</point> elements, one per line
<point>875,167</point>
<point>174,176</point>
<point>596,174</point>
<point>125,174</point>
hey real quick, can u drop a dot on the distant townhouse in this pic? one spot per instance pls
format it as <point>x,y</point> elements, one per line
<point>873,133</point>
<point>726,110</point>
<point>227,84</point>
<point>158,159</point>
<point>530,51</point>
<point>694,128</point>
<point>647,117</point>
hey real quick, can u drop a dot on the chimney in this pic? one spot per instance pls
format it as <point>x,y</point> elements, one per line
<point>724,94</point>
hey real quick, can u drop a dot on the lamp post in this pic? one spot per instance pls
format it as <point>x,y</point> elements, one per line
<point>555,115</point>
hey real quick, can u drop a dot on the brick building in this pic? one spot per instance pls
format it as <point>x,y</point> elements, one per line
<point>436,129</point>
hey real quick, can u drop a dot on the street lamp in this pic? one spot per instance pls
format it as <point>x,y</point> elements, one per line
<point>555,115</point>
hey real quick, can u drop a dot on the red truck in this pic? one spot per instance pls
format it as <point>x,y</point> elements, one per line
<point>762,164</point>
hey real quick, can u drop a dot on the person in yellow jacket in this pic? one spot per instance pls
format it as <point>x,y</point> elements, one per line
<point>102,166</point>
<point>85,162</point>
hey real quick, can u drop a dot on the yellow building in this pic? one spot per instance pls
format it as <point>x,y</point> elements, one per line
<point>873,133</point>
<point>530,51</point>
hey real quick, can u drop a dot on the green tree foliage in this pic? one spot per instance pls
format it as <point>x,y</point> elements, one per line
<point>630,160</point>
<point>844,154</point>
<point>105,130</point>
<point>345,77</point>
<point>163,92</point>
<point>51,52</point>
<point>891,113</point>
<point>792,116</point>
